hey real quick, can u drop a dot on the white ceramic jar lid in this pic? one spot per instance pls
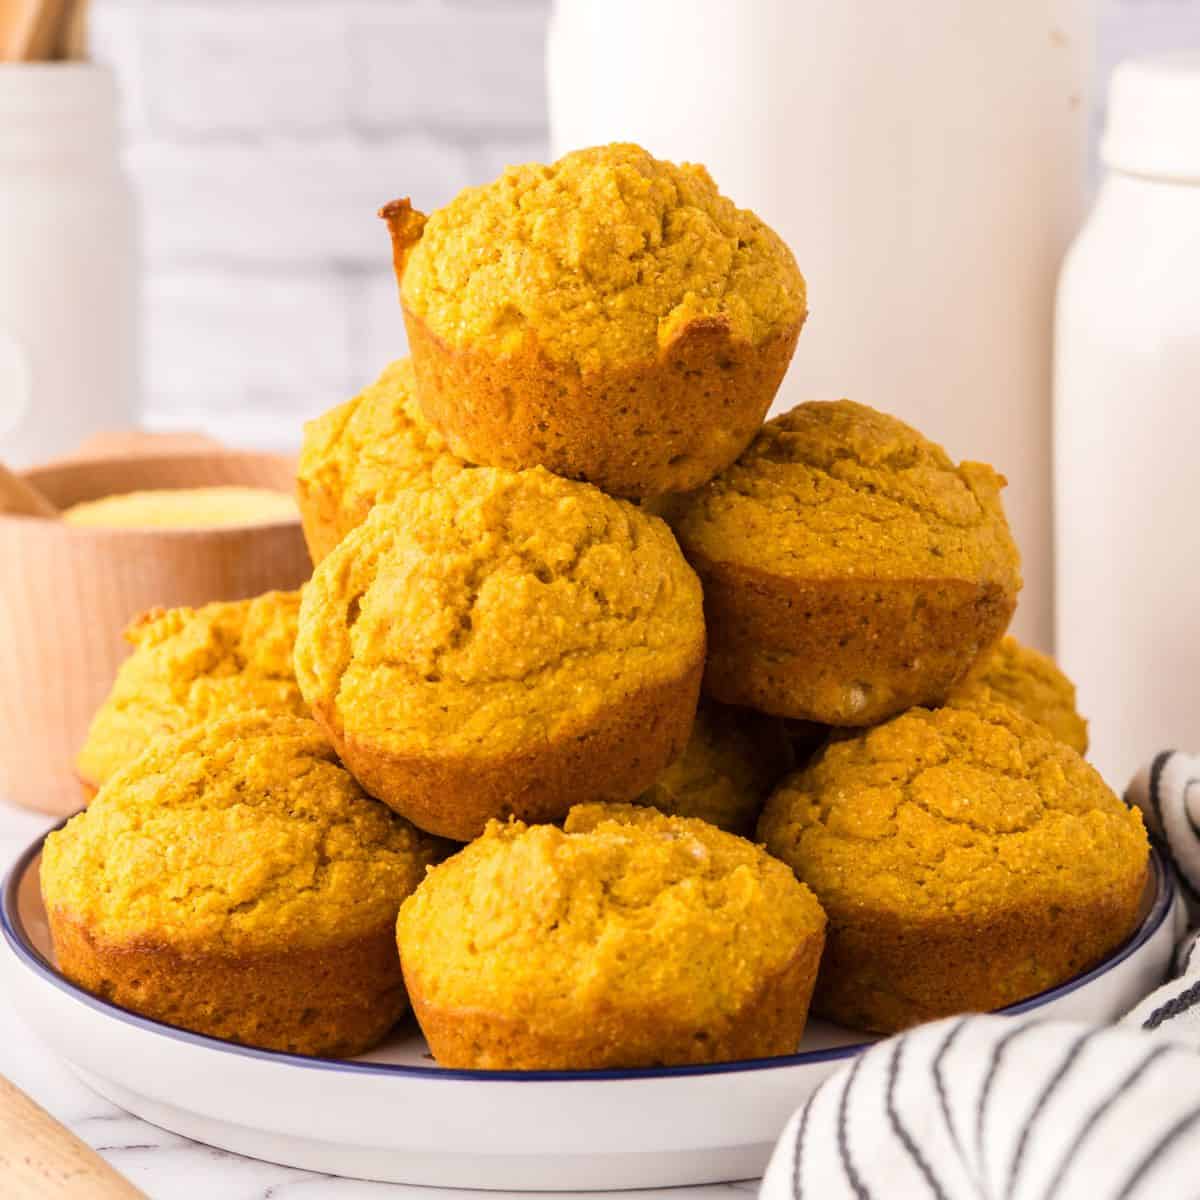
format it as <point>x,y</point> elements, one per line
<point>1154,117</point>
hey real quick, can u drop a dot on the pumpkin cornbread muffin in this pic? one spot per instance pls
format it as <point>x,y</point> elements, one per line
<point>191,665</point>
<point>234,880</point>
<point>732,760</point>
<point>611,317</point>
<point>364,452</point>
<point>1033,684</point>
<point>509,643</point>
<point>966,859</point>
<point>850,569</point>
<point>627,939</point>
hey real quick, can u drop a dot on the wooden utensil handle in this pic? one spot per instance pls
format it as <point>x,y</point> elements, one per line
<point>16,496</point>
<point>30,32</point>
<point>73,35</point>
<point>42,1160</point>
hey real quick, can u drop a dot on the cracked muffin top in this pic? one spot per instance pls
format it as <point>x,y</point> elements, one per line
<point>602,258</point>
<point>191,665</point>
<point>499,609</point>
<point>367,450</point>
<point>1033,684</point>
<point>245,834</point>
<point>622,906</point>
<point>731,761</point>
<point>949,812</point>
<point>836,489</point>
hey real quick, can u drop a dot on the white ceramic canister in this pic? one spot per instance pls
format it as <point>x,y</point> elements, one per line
<point>1127,427</point>
<point>68,261</point>
<point>925,162</point>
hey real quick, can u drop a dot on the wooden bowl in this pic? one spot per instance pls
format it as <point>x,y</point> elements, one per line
<point>67,593</point>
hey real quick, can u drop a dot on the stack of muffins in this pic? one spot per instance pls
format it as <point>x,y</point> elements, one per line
<point>614,726</point>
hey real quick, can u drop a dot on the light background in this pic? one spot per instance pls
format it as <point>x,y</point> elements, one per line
<point>262,137</point>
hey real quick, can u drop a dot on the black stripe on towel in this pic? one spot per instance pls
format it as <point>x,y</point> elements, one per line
<point>1093,1118</point>
<point>997,1051</point>
<point>1156,769</point>
<point>998,1048</point>
<point>1064,1069</point>
<point>939,1084</point>
<point>1156,1152</point>
<point>1194,781</point>
<point>797,1163</point>
<point>898,1126</point>
<point>843,1141</point>
<point>1174,1007</point>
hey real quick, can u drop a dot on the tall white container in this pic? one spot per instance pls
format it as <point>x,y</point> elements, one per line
<point>1127,427</point>
<point>925,162</point>
<point>68,261</point>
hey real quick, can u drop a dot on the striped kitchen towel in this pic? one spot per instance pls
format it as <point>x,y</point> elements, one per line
<point>1168,793</point>
<point>1017,1108</point>
<point>1000,1108</point>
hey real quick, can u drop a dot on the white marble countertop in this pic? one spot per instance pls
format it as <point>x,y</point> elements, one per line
<point>168,1167</point>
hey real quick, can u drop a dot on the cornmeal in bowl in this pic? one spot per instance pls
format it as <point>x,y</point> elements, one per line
<point>966,859</point>
<point>510,643</point>
<point>611,316</point>
<point>184,508</point>
<point>627,939</point>
<point>191,665</point>
<point>851,569</point>
<point>235,881</point>
<point>363,453</point>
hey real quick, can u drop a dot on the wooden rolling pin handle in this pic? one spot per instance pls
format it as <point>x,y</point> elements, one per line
<point>42,1160</point>
<point>17,496</point>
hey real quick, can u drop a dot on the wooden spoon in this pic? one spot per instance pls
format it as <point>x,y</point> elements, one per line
<point>43,1160</point>
<point>30,30</point>
<point>22,499</point>
<point>73,36</point>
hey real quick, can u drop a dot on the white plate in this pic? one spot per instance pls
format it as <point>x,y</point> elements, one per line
<point>394,1115</point>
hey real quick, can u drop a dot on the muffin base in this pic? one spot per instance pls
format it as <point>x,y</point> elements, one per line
<point>613,758</point>
<point>771,1022</point>
<point>663,426</point>
<point>336,1002</point>
<point>884,974</point>
<point>843,652</point>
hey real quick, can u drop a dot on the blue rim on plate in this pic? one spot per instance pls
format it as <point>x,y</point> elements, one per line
<point>13,928</point>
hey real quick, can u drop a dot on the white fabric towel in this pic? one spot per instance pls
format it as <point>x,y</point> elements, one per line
<point>1004,1109</point>
<point>1020,1108</point>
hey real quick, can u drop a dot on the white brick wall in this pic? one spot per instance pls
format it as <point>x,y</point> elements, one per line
<point>263,135</point>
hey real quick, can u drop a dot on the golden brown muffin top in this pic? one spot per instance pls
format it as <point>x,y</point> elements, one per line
<point>602,258</point>
<point>245,835</point>
<point>950,813</point>
<point>185,508</point>
<point>191,665</point>
<point>730,763</point>
<point>1033,684</point>
<point>835,489</point>
<point>498,610</point>
<point>365,451</point>
<point>624,907</point>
